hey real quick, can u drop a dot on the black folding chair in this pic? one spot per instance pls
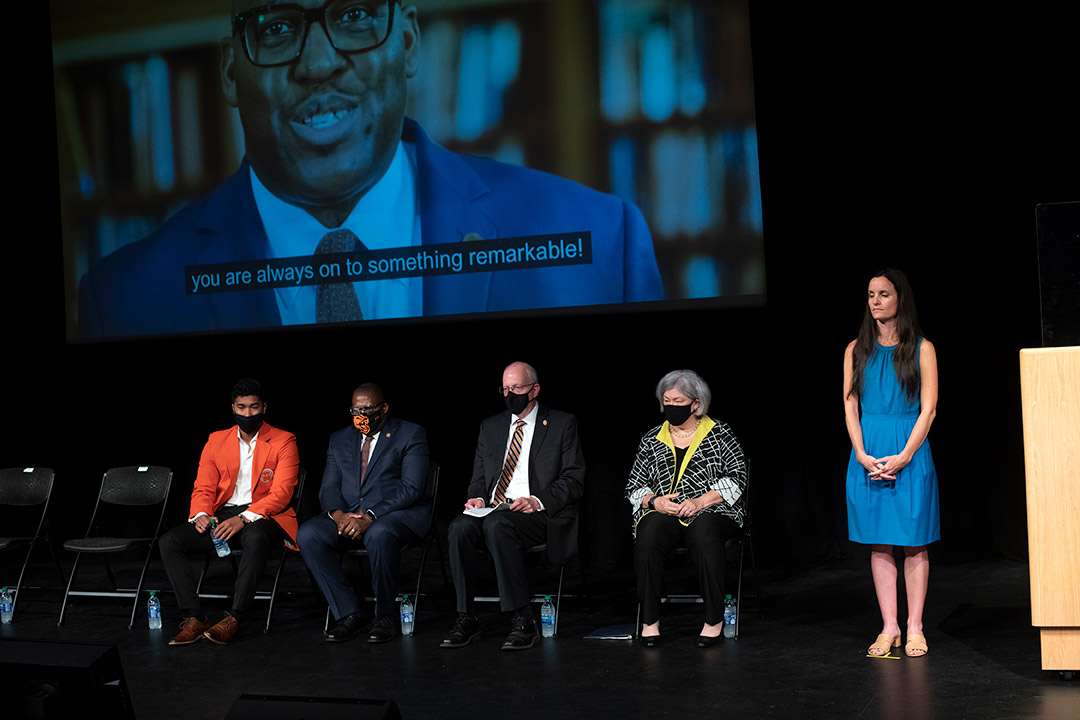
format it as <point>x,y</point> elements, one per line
<point>271,594</point>
<point>126,487</point>
<point>557,596</point>
<point>22,489</point>
<point>431,495</point>
<point>745,542</point>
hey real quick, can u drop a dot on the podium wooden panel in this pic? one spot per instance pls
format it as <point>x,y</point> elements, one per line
<point>1050,390</point>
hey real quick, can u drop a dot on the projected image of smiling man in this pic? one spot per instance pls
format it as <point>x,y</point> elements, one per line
<point>333,166</point>
<point>321,96</point>
<point>321,93</point>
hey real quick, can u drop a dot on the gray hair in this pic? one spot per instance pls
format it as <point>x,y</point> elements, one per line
<point>690,384</point>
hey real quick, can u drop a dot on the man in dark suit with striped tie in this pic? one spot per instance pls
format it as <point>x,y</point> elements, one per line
<point>528,475</point>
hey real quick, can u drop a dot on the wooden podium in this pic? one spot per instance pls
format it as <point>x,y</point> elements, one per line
<point>1050,388</point>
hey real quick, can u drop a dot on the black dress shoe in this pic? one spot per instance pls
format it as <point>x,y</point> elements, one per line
<point>523,636</point>
<point>346,628</point>
<point>649,641</point>
<point>382,630</point>
<point>466,629</point>
<point>706,641</point>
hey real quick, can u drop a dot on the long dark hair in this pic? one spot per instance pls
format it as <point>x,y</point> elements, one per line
<point>907,326</point>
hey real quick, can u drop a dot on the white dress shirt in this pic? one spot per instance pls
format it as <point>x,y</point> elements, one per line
<point>387,216</point>
<point>519,481</point>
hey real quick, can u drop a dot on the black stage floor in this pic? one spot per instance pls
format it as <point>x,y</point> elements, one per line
<point>805,658</point>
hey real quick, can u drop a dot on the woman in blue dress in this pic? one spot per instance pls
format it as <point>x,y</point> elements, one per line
<point>890,399</point>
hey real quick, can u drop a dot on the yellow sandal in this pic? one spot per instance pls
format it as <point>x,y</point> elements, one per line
<point>914,644</point>
<point>884,643</point>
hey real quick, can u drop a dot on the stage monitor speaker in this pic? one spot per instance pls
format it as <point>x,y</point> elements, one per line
<point>43,680</point>
<point>280,707</point>
<point>1058,228</point>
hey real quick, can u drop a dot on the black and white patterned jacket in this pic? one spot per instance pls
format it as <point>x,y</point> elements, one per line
<point>714,461</point>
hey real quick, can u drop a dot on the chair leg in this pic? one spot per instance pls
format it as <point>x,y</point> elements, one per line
<point>138,588</point>
<point>19,582</point>
<point>419,577</point>
<point>273,590</point>
<point>202,575</point>
<point>67,590</point>
<point>558,600</point>
<point>738,591</point>
<point>637,621</point>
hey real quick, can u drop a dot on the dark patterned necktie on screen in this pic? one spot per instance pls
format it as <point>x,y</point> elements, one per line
<point>336,302</point>
<point>512,455</point>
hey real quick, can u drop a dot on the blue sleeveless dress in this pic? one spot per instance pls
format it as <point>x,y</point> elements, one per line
<point>901,512</point>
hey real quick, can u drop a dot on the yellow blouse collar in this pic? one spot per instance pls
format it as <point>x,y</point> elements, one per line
<point>703,428</point>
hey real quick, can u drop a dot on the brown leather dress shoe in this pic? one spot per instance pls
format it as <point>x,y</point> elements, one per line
<point>223,632</point>
<point>191,630</point>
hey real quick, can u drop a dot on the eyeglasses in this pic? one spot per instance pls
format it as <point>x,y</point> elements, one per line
<point>364,410</point>
<point>516,389</point>
<point>276,34</point>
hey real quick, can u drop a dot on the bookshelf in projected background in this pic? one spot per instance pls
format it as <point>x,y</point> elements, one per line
<point>649,99</point>
<point>677,109</point>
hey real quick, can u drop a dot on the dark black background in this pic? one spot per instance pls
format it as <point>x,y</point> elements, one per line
<point>886,138</point>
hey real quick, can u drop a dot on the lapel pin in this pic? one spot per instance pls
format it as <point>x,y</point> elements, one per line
<point>545,422</point>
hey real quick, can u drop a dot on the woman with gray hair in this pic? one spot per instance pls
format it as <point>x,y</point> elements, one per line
<point>686,488</point>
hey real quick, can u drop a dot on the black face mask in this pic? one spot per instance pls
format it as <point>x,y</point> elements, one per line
<point>249,424</point>
<point>368,423</point>
<point>678,414</point>
<point>516,403</point>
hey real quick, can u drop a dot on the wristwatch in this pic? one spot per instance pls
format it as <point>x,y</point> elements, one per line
<point>652,503</point>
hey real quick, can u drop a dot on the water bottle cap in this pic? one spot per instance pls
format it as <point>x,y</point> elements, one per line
<point>727,596</point>
<point>547,598</point>
<point>405,596</point>
<point>153,593</point>
<point>4,589</point>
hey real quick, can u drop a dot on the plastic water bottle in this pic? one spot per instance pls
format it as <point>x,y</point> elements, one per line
<point>153,611</point>
<point>547,618</point>
<point>7,606</point>
<point>220,546</point>
<point>731,616</point>
<point>406,615</point>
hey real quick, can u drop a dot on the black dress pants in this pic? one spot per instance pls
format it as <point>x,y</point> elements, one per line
<point>257,539</point>
<point>506,536</point>
<point>658,535</point>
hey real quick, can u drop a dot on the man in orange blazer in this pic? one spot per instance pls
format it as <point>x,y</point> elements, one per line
<point>241,495</point>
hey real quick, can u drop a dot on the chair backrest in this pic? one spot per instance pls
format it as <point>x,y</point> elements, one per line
<point>136,485</point>
<point>25,486</point>
<point>298,491</point>
<point>745,499</point>
<point>431,488</point>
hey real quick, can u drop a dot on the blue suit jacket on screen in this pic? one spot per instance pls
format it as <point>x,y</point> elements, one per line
<point>395,477</point>
<point>141,290</point>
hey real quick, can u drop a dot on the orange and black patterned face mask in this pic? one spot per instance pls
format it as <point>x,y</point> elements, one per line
<point>369,423</point>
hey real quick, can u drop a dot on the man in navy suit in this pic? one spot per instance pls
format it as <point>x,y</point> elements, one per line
<point>529,466</point>
<point>333,166</point>
<point>372,494</point>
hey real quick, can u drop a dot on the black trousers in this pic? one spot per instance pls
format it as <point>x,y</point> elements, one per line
<point>506,536</point>
<point>658,535</point>
<point>257,539</point>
